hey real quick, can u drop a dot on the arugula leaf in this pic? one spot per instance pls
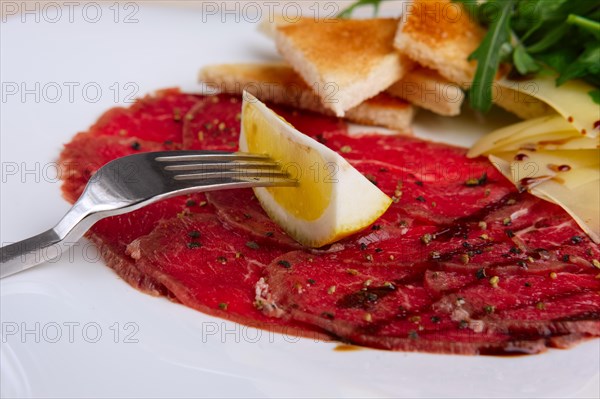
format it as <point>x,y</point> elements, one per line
<point>524,63</point>
<point>558,59</point>
<point>550,39</point>
<point>584,23</point>
<point>561,35</point>
<point>531,15</point>
<point>595,94</point>
<point>586,63</point>
<point>488,58</point>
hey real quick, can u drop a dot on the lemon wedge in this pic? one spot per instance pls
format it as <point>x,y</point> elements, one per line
<point>332,199</point>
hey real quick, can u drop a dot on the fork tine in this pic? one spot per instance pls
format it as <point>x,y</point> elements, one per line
<point>239,174</point>
<point>233,167</point>
<point>223,166</point>
<point>272,182</point>
<point>256,181</point>
<point>214,157</point>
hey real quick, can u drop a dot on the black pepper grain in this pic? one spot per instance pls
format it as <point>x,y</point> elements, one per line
<point>252,245</point>
<point>481,274</point>
<point>194,234</point>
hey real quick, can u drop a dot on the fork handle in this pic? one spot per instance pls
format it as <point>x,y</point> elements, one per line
<point>25,254</point>
<point>50,244</point>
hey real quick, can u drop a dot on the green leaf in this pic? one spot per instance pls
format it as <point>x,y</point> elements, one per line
<point>524,63</point>
<point>488,12</point>
<point>586,63</point>
<point>506,52</point>
<point>488,58</point>
<point>586,24</point>
<point>552,37</point>
<point>558,59</point>
<point>531,15</point>
<point>595,94</point>
<point>594,80</point>
<point>594,15</point>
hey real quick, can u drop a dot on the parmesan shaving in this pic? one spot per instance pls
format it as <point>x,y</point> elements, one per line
<point>576,190</point>
<point>548,132</point>
<point>571,100</point>
<point>554,157</point>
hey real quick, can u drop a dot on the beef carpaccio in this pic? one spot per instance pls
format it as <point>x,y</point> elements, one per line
<point>460,263</point>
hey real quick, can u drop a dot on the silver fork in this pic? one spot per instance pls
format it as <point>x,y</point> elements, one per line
<point>134,181</point>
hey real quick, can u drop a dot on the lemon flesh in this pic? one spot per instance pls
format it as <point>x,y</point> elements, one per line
<point>332,199</point>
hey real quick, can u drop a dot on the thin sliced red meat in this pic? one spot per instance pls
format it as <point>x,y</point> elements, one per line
<point>578,313</point>
<point>463,342</point>
<point>417,279</point>
<point>383,305</point>
<point>125,268</point>
<point>430,201</point>
<point>310,123</point>
<point>210,268</point>
<point>241,211</point>
<point>157,118</point>
<point>213,124</point>
<point>364,299</point>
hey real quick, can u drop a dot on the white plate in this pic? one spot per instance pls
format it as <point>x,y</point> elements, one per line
<point>73,329</point>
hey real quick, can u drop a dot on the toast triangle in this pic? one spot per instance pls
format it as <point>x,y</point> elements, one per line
<point>344,61</point>
<point>280,84</point>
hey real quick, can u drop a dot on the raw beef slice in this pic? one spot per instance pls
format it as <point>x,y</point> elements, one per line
<point>460,263</point>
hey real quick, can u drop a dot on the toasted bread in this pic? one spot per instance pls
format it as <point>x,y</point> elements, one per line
<point>421,86</point>
<point>428,89</point>
<point>440,35</point>
<point>268,26</point>
<point>344,61</point>
<point>384,110</point>
<point>279,83</point>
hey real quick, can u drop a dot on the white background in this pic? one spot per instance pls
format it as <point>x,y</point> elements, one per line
<point>175,351</point>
